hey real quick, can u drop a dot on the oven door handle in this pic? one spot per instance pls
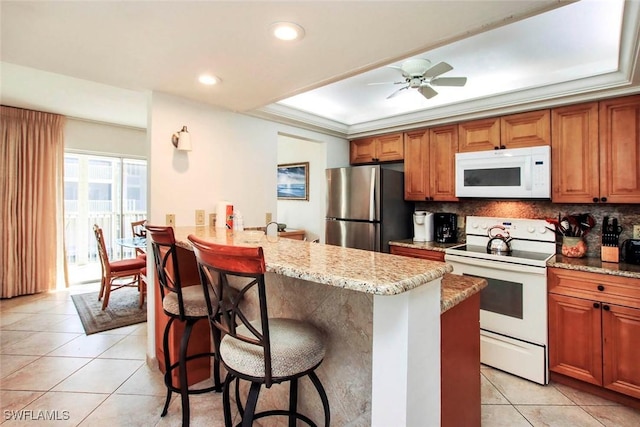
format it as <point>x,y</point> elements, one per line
<point>493,265</point>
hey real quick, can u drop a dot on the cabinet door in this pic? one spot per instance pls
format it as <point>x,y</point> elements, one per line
<point>574,154</point>
<point>416,165</point>
<point>620,150</point>
<point>621,349</point>
<point>443,145</point>
<point>526,129</point>
<point>362,151</point>
<point>575,341</point>
<point>479,135</point>
<point>390,148</point>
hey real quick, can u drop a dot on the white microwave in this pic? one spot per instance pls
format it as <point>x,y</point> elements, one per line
<point>510,173</point>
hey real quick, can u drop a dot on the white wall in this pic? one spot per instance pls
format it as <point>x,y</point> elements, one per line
<point>107,139</point>
<point>305,215</point>
<point>234,158</point>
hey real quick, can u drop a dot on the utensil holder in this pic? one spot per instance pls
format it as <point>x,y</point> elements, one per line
<point>573,247</point>
<point>609,254</point>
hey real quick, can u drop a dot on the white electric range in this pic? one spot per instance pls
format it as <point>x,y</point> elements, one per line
<point>513,307</point>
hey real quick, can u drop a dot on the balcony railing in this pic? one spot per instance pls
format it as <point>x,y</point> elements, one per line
<point>81,242</point>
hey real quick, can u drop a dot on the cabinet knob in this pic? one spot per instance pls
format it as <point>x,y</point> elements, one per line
<point>600,287</point>
<point>496,148</point>
<point>606,307</point>
<point>596,200</point>
<point>502,147</point>
<point>596,305</point>
<point>603,199</point>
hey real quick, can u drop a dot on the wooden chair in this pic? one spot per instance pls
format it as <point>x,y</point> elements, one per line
<point>185,304</point>
<point>264,351</point>
<point>113,272</point>
<point>138,230</point>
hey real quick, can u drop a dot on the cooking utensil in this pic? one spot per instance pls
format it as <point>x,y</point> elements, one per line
<point>499,243</point>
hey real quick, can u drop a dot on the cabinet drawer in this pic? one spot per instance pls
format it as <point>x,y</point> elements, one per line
<point>417,253</point>
<point>624,291</point>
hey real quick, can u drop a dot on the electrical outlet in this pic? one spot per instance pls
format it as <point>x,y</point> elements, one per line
<point>212,220</point>
<point>199,217</point>
<point>636,231</point>
<point>171,220</point>
<point>267,218</point>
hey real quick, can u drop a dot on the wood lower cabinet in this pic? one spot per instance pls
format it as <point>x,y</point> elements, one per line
<point>429,167</point>
<point>375,149</point>
<point>594,329</point>
<point>417,253</point>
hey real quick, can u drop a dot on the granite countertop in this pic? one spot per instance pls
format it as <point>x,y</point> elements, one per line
<point>595,265</point>
<point>456,288</point>
<point>364,271</point>
<point>429,246</point>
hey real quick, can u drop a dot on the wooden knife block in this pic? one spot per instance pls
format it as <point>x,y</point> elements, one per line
<point>609,254</point>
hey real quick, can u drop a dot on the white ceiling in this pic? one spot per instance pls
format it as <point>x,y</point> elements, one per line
<point>99,60</point>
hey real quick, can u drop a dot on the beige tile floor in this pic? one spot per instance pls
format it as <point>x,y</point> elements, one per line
<point>48,366</point>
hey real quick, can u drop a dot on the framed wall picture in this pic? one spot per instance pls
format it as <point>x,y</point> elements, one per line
<point>293,181</point>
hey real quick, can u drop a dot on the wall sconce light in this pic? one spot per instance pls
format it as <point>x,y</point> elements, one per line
<point>182,140</point>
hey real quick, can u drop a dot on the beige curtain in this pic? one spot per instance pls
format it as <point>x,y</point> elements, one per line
<point>31,202</point>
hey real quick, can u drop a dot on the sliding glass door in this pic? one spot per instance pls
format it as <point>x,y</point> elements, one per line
<point>108,191</point>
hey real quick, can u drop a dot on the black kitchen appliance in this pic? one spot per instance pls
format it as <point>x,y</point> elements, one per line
<point>631,251</point>
<point>446,227</point>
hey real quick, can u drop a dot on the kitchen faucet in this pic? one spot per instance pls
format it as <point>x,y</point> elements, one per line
<point>266,228</point>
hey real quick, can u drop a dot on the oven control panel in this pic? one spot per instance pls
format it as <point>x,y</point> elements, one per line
<point>517,228</point>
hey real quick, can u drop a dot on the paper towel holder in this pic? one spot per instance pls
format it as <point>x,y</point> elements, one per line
<point>182,140</point>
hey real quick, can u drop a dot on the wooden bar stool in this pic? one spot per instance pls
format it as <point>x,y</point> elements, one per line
<point>264,351</point>
<point>186,304</point>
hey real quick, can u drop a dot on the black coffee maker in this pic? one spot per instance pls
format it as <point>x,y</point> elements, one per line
<point>446,227</point>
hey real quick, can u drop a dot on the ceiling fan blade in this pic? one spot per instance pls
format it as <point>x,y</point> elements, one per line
<point>397,92</point>
<point>436,70</point>
<point>449,81</point>
<point>427,91</point>
<point>385,83</point>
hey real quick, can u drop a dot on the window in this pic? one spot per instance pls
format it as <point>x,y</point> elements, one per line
<point>108,191</point>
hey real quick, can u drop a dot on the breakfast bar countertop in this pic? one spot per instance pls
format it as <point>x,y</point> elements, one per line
<point>364,271</point>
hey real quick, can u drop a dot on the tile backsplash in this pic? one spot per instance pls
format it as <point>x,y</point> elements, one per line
<point>627,215</point>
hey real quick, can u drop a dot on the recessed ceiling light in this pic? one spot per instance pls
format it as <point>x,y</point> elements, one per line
<point>287,31</point>
<point>208,79</point>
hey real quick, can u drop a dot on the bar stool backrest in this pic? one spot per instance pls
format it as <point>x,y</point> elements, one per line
<point>165,259</point>
<point>217,264</point>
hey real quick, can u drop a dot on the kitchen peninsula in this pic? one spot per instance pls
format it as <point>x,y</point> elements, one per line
<point>381,316</point>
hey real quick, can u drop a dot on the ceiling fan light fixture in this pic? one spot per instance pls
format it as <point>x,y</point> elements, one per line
<point>287,31</point>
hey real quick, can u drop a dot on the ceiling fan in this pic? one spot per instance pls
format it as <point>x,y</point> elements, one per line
<point>419,74</point>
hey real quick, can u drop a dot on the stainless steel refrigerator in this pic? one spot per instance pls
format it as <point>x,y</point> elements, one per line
<point>366,208</point>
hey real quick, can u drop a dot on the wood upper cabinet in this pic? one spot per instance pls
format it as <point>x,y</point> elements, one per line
<point>479,135</point>
<point>594,328</point>
<point>596,152</point>
<point>521,130</point>
<point>620,150</point>
<point>574,154</point>
<point>375,149</point>
<point>529,129</point>
<point>429,166</point>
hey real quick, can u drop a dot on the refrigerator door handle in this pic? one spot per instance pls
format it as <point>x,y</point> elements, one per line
<point>372,195</point>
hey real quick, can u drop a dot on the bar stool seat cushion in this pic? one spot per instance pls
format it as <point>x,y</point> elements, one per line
<point>127,264</point>
<point>296,347</point>
<point>193,299</point>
